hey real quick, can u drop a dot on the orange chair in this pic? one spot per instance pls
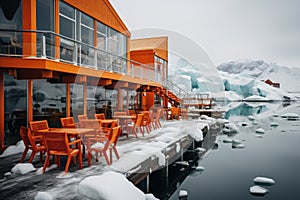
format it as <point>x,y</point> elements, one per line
<point>82,117</point>
<point>100,116</point>
<point>67,122</point>
<point>105,144</point>
<point>57,143</point>
<point>31,142</point>
<point>118,113</point>
<point>91,124</point>
<point>156,119</point>
<point>135,125</point>
<point>146,121</point>
<point>37,126</point>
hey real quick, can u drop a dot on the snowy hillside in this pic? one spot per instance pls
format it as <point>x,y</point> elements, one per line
<point>288,78</point>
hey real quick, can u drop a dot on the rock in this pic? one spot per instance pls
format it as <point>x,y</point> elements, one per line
<point>263,181</point>
<point>260,130</point>
<point>258,190</point>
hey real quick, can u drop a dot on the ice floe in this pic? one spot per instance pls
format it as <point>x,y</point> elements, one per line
<point>263,181</point>
<point>23,168</point>
<point>290,116</point>
<point>43,196</point>
<point>251,118</point>
<point>182,193</point>
<point>274,124</point>
<point>230,128</point>
<point>258,190</point>
<point>200,168</point>
<point>238,146</point>
<point>260,131</point>
<point>200,149</point>
<point>227,140</point>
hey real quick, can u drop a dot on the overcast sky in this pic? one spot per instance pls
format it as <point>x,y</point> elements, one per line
<point>226,29</point>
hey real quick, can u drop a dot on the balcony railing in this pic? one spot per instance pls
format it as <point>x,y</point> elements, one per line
<point>71,51</point>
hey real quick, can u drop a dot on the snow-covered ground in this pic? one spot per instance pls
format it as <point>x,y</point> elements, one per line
<point>132,152</point>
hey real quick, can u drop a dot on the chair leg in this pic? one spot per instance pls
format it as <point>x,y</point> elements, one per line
<point>23,155</point>
<point>67,164</point>
<point>80,160</point>
<point>116,152</point>
<point>106,158</point>
<point>89,158</point>
<point>41,156</point>
<point>31,156</point>
<point>46,163</point>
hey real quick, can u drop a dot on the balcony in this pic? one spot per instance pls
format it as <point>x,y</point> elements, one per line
<point>52,46</point>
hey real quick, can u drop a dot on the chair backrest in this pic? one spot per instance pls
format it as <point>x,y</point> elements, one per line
<point>90,123</point>
<point>67,122</point>
<point>24,135</point>
<point>157,116</point>
<point>82,117</point>
<point>36,126</point>
<point>100,116</point>
<point>139,120</point>
<point>119,113</point>
<point>114,136</point>
<point>57,141</point>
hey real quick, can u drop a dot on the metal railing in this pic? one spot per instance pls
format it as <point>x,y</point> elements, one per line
<point>73,52</point>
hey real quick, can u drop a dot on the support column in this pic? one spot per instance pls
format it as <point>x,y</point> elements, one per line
<point>29,23</point>
<point>29,101</point>
<point>68,100</point>
<point>2,123</point>
<point>84,98</point>
<point>120,99</point>
<point>57,39</point>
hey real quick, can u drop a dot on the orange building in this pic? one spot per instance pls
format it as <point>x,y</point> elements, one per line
<point>152,52</point>
<point>68,57</point>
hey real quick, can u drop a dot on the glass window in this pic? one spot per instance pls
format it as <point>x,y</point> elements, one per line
<point>101,28</point>
<point>86,34</point>
<point>67,28</point>
<point>86,20</point>
<point>45,21</point>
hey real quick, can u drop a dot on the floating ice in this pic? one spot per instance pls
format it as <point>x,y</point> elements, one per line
<point>184,163</point>
<point>182,193</point>
<point>263,181</point>
<point>238,146</point>
<point>274,124</point>
<point>236,141</point>
<point>227,140</point>
<point>290,116</point>
<point>251,118</point>
<point>200,150</point>
<point>23,168</point>
<point>43,196</point>
<point>275,115</point>
<point>255,123</point>
<point>7,174</point>
<point>259,135</point>
<point>260,130</point>
<point>150,197</point>
<point>200,168</point>
<point>258,190</point>
<point>231,128</point>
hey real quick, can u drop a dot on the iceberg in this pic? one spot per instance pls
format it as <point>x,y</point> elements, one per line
<point>260,130</point>
<point>263,181</point>
<point>258,190</point>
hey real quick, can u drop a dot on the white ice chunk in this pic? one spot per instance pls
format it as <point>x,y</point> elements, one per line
<point>182,193</point>
<point>290,115</point>
<point>258,190</point>
<point>200,150</point>
<point>231,128</point>
<point>238,146</point>
<point>227,140</point>
<point>43,196</point>
<point>260,130</point>
<point>236,141</point>
<point>184,163</point>
<point>200,168</point>
<point>14,149</point>
<point>150,197</point>
<point>263,180</point>
<point>274,124</point>
<point>23,168</point>
<point>251,118</point>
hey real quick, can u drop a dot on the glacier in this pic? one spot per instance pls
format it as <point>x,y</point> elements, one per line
<point>237,80</point>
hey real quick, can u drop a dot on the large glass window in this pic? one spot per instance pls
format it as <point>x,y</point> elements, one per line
<point>118,47</point>
<point>86,36</point>
<point>67,27</point>
<point>11,19</point>
<point>45,21</point>
<point>102,57</point>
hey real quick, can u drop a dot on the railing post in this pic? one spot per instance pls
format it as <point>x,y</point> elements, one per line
<point>95,59</point>
<point>43,46</point>
<point>75,54</point>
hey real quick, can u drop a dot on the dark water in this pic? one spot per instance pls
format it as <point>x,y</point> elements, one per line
<point>229,172</point>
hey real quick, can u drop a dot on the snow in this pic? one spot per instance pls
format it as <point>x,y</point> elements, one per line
<point>14,149</point>
<point>182,193</point>
<point>23,168</point>
<point>110,186</point>
<point>263,181</point>
<point>258,190</point>
<point>43,196</point>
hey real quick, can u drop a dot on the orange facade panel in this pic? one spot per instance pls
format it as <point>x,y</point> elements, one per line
<point>143,56</point>
<point>103,11</point>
